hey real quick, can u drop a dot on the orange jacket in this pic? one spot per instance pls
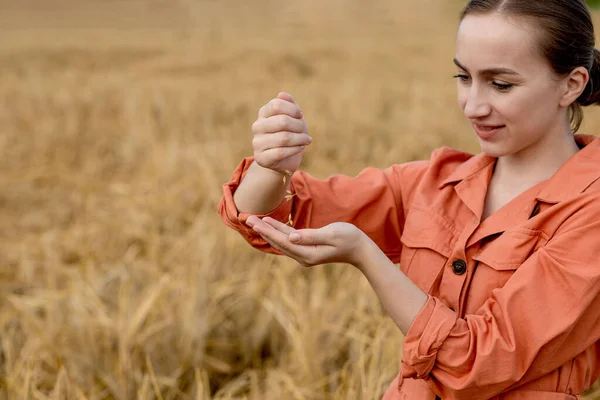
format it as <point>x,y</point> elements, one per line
<point>514,300</point>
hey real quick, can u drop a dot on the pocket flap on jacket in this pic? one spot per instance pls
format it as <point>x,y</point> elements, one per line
<point>509,250</point>
<point>425,229</point>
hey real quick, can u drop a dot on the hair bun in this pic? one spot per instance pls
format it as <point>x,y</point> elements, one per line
<point>591,94</point>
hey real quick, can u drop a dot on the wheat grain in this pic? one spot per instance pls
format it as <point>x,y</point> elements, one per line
<point>289,195</point>
<point>288,173</point>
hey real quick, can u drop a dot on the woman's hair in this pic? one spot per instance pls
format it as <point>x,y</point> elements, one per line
<point>566,39</point>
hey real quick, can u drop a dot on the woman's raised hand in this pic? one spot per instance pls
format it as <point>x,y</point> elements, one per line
<point>280,135</point>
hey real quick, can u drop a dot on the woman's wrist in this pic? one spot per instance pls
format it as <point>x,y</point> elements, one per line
<point>400,297</point>
<point>367,254</point>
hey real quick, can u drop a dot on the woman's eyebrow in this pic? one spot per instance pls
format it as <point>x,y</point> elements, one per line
<point>490,71</point>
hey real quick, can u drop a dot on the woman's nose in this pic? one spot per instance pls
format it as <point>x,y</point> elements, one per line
<point>476,106</point>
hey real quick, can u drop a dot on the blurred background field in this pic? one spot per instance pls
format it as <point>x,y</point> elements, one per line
<point>119,122</point>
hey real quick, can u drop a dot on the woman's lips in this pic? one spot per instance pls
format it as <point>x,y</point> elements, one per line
<point>486,132</point>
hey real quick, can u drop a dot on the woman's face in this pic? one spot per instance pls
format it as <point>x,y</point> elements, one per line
<point>506,88</point>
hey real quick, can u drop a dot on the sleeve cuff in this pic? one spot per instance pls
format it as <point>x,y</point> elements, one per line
<point>237,220</point>
<point>424,338</point>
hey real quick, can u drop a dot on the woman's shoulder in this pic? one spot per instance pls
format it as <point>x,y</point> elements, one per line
<point>444,165</point>
<point>445,157</point>
<point>450,156</point>
<point>447,164</point>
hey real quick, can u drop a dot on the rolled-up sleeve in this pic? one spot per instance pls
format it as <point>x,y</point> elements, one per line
<point>236,220</point>
<point>426,335</point>
<point>372,201</point>
<point>545,315</point>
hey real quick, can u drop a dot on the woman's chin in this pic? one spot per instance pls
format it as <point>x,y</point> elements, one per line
<point>493,149</point>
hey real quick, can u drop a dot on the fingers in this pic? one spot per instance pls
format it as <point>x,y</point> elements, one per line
<point>274,156</point>
<point>279,225</point>
<point>262,143</point>
<point>278,123</point>
<point>279,106</point>
<point>280,134</point>
<point>270,227</point>
<point>286,96</point>
<point>305,237</point>
<point>252,220</point>
<point>268,231</point>
<point>310,237</point>
<point>280,237</point>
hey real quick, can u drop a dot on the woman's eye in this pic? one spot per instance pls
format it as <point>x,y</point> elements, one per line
<point>462,77</point>
<point>502,87</point>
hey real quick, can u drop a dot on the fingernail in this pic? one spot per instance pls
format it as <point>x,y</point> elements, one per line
<point>310,139</point>
<point>294,237</point>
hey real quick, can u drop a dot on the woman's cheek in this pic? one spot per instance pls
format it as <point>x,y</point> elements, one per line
<point>462,96</point>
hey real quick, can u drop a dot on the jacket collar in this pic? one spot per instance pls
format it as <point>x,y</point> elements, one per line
<point>576,175</point>
<point>572,178</point>
<point>469,168</point>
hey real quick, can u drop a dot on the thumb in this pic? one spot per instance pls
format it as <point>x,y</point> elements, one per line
<point>308,237</point>
<point>286,96</point>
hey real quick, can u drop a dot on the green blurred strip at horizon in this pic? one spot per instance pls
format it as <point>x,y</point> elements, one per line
<point>593,3</point>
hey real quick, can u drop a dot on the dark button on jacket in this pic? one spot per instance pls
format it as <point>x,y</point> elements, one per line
<point>459,267</point>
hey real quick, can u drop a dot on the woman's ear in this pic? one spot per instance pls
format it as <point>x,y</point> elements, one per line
<point>575,85</point>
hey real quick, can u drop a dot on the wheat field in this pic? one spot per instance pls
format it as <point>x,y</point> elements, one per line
<point>119,122</point>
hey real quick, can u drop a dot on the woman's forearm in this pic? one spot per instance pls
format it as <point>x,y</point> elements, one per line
<point>401,298</point>
<point>261,191</point>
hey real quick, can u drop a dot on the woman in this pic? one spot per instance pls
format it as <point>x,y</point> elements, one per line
<point>498,292</point>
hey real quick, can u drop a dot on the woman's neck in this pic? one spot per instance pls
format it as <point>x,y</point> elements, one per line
<point>537,162</point>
